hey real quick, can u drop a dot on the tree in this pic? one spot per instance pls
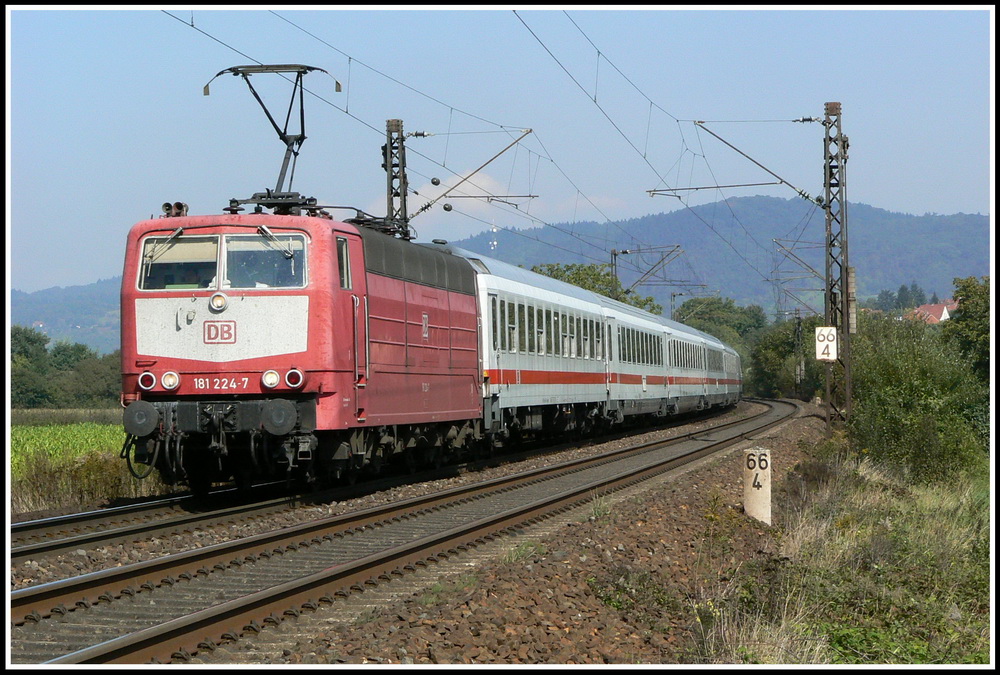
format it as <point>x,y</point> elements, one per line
<point>917,295</point>
<point>917,405</point>
<point>94,382</point>
<point>66,355</point>
<point>777,357</point>
<point>903,299</point>
<point>969,327</point>
<point>30,385</point>
<point>599,279</point>
<point>934,299</point>
<point>722,312</point>
<point>31,345</point>
<point>886,300</point>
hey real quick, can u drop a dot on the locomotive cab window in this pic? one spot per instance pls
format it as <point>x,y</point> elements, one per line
<point>178,262</point>
<point>265,261</point>
<point>249,261</point>
<point>344,263</point>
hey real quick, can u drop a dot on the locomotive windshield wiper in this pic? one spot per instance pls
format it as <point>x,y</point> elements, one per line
<point>151,256</point>
<point>287,252</point>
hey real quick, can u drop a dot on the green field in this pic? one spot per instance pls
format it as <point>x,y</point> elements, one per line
<point>61,444</point>
<point>71,464</point>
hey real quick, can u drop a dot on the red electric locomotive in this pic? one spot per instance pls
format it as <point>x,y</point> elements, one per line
<point>259,344</point>
<point>291,344</point>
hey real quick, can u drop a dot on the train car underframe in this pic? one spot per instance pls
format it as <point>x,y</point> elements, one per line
<point>209,441</point>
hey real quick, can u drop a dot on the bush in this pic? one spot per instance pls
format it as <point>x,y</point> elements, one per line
<point>917,405</point>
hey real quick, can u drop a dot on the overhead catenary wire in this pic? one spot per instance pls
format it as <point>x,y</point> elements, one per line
<point>643,154</point>
<point>501,129</point>
<point>452,109</point>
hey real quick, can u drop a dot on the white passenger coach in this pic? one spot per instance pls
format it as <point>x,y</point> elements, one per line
<point>557,357</point>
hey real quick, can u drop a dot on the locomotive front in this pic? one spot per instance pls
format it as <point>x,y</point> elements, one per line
<point>220,367</point>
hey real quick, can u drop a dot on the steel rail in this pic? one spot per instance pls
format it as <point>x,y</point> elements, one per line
<point>145,643</point>
<point>39,601</point>
<point>42,530</point>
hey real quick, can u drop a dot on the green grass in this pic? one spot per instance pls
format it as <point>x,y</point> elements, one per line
<point>872,570</point>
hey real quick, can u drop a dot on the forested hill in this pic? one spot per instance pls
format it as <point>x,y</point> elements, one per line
<point>727,246</point>
<point>88,314</point>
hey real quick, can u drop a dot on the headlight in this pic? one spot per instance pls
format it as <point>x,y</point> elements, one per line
<point>218,302</point>
<point>270,379</point>
<point>294,377</point>
<point>170,380</point>
<point>147,381</point>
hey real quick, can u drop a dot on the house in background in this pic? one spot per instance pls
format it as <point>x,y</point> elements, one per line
<point>933,313</point>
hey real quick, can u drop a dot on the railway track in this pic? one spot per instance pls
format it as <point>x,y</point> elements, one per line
<point>178,516</point>
<point>177,605</point>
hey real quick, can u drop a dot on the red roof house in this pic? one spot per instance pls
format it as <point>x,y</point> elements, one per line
<point>934,313</point>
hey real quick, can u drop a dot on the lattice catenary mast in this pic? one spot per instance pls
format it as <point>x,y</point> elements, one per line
<point>840,283</point>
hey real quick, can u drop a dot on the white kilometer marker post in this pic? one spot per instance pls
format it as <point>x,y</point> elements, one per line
<point>757,484</point>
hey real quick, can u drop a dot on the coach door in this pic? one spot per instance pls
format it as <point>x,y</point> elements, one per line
<point>612,371</point>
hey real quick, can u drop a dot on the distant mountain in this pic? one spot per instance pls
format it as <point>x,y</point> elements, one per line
<point>86,314</point>
<point>728,246</point>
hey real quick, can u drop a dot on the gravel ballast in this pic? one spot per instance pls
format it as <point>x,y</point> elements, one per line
<point>613,583</point>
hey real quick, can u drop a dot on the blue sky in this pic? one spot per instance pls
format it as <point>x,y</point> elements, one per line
<point>106,117</point>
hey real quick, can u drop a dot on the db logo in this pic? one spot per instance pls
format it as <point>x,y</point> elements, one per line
<point>220,332</point>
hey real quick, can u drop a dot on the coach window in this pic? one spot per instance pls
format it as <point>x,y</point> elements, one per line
<point>579,338</point>
<point>540,329</point>
<point>493,317</point>
<point>531,329</point>
<point>503,324</point>
<point>343,262</point>
<point>511,327</point>
<point>522,343</point>
<point>564,333</point>
<point>573,336</point>
<point>548,331</point>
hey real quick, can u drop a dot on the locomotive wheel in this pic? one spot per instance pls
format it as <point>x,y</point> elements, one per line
<point>200,485</point>
<point>200,468</point>
<point>410,461</point>
<point>243,475</point>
